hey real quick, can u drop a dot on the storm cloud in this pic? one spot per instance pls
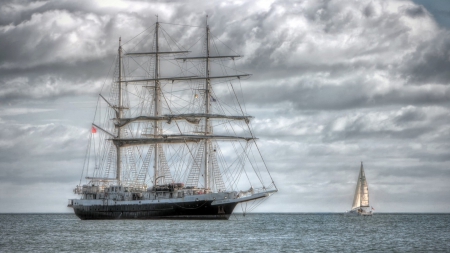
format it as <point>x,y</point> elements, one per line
<point>333,83</point>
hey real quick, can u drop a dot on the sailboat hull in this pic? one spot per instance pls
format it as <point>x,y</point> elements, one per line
<point>198,210</point>
<point>360,213</point>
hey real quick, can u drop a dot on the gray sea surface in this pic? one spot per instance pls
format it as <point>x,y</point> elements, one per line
<point>274,232</point>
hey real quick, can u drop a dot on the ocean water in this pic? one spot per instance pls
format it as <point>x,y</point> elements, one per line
<point>252,233</point>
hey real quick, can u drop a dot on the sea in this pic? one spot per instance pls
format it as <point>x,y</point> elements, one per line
<point>254,232</point>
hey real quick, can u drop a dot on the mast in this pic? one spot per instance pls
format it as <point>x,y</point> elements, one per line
<point>157,138</point>
<point>367,185</point>
<point>361,189</point>
<point>207,105</point>
<point>119,116</point>
<point>157,106</point>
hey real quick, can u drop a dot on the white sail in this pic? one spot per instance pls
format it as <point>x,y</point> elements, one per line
<point>361,198</point>
<point>357,198</point>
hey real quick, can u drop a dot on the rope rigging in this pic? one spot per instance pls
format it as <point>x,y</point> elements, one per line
<point>135,140</point>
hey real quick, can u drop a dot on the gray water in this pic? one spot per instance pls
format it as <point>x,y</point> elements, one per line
<point>252,233</point>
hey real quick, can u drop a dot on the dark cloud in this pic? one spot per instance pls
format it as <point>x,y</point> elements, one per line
<point>40,141</point>
<point>429,62</point>
<point>52,81</point>
<point>410,115</point>
<point>415,11</point>
<point>311,94</point>
<point>369,10</point>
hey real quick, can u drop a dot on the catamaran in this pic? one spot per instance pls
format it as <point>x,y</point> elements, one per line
<point>361,199</point>
<point>171,138</point>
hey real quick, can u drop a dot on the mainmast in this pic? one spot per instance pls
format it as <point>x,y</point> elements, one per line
<point>207,105</point>
<point>157,124</point>
<point>119,116</point>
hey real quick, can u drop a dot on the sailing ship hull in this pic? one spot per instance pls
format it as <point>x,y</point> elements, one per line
<point>198,210</point>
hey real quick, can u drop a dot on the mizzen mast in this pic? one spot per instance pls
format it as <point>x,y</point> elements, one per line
<point>119,116</point>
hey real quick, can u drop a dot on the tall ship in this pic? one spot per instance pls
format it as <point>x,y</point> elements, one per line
<point>360,204</point>
<point>171,138</point>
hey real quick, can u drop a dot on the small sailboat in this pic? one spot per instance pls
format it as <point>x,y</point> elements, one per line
<point>361,199</point>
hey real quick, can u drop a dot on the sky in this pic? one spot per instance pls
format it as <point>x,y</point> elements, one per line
<point>333,83</point>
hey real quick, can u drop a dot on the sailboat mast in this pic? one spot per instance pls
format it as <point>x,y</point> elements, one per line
<point>207,105</point>
<point>361,189</point>
<point>119,116</point>
<point>157,106</point>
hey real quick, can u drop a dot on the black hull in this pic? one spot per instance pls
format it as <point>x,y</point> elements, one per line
<point>199,210</point>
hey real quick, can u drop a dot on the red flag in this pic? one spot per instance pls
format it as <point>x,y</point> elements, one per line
<point>94,130</point>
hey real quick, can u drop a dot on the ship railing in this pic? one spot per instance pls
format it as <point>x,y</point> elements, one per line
<point>252,191</point>
<point>127,186</point>
<point>78,189</point>
<point>259,190</point>
<point>141,188</point>
<point>82,189</point>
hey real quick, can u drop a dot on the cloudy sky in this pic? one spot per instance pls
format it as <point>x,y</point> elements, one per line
<point>333,83</point>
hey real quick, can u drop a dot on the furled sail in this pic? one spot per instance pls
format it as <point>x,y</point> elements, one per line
<point>361,198</point>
